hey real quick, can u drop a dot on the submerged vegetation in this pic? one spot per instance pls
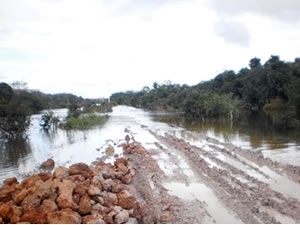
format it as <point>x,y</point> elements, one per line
<point>15,108</point>
<point>84,121</point>
<point>271,89</point>
<point>49,120</point>
<point>18,103</point>
<point>81,118</point>
<point>85,117</point>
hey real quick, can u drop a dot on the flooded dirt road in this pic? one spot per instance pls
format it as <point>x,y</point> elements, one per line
<point>210,190</point>
<point>198,179</point>
<point>181,176</point>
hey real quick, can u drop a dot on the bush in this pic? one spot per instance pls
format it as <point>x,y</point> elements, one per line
<point>275,105</point>
<point>84,121</point>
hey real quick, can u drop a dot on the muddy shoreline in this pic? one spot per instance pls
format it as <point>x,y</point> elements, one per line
<point>260,193</point>
<point>166,181</point>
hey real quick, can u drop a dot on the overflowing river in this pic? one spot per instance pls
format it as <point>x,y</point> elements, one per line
<point>67,147</point>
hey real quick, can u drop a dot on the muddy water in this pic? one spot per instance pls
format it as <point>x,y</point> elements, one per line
<point>184,183</point>
<point>68,147</point>
<point>283,146</point>
<point>202,193</point>
<point>24,157</point>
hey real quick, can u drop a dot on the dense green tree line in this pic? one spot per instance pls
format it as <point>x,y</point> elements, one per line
<point>271,88</point>
<point>17,103</point>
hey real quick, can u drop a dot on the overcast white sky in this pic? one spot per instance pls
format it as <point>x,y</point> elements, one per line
<point>93,48</point>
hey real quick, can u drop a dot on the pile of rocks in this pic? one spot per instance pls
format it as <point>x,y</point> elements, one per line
<point>78,194</point>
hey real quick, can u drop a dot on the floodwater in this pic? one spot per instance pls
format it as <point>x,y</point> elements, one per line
<point>201,192</point>
<point>279,145</point>
<point>68,147</point>
<point>23,158</point>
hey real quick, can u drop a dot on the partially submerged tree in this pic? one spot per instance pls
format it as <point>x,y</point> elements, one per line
<point>6,93</point>
<point>49,120</point>
<point>13,113</point>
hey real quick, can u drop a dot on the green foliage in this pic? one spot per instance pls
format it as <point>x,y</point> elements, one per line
<point>254,63</point>
<point>6,94</point>
<point>13,113</point>
<point>166,96</point>
<point>17,104</point>
<point>193,105</point>
<point>229,95</point>
<point>85,116</point>
<point>21,85</point>
<point>84,121</point>
<point>49,120</point>
<point>74,111</point>
<point>275,105</point>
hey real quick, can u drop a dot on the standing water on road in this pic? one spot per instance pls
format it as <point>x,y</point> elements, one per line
<point>217,166</point>
<point>68,147</point>
<point>279,145</point>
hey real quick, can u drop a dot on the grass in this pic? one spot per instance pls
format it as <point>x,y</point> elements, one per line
<point>84,122</point>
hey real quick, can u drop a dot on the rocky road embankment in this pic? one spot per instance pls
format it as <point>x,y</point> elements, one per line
<point>172,181</point>
<point>99,193</point>
<point>78,194</point>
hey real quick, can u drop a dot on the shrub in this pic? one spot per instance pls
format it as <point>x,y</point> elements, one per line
<point>84,121</point>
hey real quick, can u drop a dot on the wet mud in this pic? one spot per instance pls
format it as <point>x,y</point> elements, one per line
<point>213,183</point>
<point>182,176</point>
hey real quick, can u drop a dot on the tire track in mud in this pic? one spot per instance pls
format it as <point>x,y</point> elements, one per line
<point>179,179</point>
<point>251,199</point>
<point>214,178</point>
<point>155,204</point>
<point>257,157</point>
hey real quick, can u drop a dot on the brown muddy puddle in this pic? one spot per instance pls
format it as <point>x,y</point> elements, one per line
<point>280,217</point>
<point>71,147</point>
<point>199,191</point>
<point>276,182</point>
<point>191,190</point>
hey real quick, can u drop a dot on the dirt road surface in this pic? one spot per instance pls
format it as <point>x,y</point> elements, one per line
<point>208,181</point>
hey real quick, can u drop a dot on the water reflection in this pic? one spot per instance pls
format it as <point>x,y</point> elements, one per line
<point>68,147</point>
<point>13,151</point>
<point>255,141</point>
<point>257,135</point>
<point>50,133</point>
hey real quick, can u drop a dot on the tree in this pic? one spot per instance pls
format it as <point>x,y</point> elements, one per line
<point>6,94</point>
<point>155,85</point>
<point>278,75</point>
<point>224,82</point>
<point>254,63</point>
<point>21,85</point>
<point>146,89</point>
<point>15,108</point>
<point>14,113</point>
<point>49,120</point>
<point>229,94</point>
<point>231,105</point>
